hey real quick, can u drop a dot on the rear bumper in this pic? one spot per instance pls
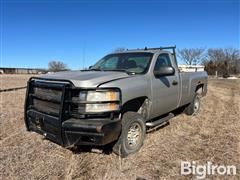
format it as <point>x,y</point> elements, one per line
<point>74,131</point>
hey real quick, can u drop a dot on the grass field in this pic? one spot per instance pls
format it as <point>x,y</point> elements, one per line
<point>213,135</point>
<point>13,81</point>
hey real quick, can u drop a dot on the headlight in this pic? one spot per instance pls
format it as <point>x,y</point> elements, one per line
<point>98,101</point>
<point>103,107</point>
<point>94,96</point>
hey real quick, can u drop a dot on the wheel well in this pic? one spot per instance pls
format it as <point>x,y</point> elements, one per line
<point>199,89</point>
<point>139,105</point>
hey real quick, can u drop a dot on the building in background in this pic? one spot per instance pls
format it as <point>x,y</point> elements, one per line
<point>4,70</point>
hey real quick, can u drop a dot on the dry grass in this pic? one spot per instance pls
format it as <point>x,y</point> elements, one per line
<point>13,80</point>
<point>213,136</point>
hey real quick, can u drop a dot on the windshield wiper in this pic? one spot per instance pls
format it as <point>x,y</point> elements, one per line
<point>118,70</point>
<point>95,69</point>
<point>92,69</point>
<point>121,70</point>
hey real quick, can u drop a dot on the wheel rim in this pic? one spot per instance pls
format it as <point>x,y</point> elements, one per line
<point>134,135</point>
<point>196,105</point>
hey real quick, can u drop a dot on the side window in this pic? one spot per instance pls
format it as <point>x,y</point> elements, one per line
<point>163,60</point>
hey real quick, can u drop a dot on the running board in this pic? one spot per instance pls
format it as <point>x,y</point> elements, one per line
<point>160,121</point>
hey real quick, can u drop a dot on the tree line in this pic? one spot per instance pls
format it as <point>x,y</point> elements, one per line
<point>224,61</point>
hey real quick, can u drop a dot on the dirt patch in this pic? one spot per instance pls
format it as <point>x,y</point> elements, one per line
<point>213,136</point>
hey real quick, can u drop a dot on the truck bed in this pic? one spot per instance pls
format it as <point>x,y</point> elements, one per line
<point>189,81</point>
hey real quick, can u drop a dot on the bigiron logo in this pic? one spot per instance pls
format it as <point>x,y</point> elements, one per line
<point>208,169</point>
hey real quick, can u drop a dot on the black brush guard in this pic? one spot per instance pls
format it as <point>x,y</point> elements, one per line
<point>61,128</point>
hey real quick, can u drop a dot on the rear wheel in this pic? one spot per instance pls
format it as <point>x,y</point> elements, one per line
<point>194,107</point>
<point>132,135</point>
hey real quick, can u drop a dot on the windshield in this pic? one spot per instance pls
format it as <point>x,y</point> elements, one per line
<point>136,63</point>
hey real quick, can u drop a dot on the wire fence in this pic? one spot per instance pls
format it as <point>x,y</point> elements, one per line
<point>12,89</point>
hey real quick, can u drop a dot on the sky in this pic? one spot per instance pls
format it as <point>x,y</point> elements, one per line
<point>79,33</point>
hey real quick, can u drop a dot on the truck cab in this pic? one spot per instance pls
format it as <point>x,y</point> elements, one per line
<point>114,101</point>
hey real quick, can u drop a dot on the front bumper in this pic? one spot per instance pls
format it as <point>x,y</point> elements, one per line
<point>54,119</point>
<point>90,132</point>
<point>74,131</point>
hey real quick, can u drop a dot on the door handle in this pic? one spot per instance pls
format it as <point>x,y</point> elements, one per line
<point>174,83</point>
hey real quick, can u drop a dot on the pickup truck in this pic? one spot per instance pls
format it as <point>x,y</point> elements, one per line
<point>113,102</point>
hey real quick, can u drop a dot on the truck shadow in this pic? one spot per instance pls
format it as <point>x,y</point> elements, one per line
<point>107,149</point>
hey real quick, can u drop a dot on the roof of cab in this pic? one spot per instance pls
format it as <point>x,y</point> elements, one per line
<point>139,51</point>
<point>149,50</point>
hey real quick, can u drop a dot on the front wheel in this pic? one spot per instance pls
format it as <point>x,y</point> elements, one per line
<point>194,107</point>
<point>132,135</point>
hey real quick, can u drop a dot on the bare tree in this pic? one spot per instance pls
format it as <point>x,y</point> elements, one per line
<point>215,54</point>
<point>192,56</point>
<point>55,66</point>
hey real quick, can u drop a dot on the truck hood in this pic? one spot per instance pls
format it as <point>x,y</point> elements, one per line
<point>86,78</point>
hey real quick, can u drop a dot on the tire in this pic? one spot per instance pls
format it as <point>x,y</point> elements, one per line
<point>132,135</point>
<point>193,108</point>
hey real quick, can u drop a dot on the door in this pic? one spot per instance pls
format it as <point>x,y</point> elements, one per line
<point>164,88</point>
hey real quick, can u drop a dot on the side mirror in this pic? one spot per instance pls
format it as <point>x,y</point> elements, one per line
<point>164,71</point>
